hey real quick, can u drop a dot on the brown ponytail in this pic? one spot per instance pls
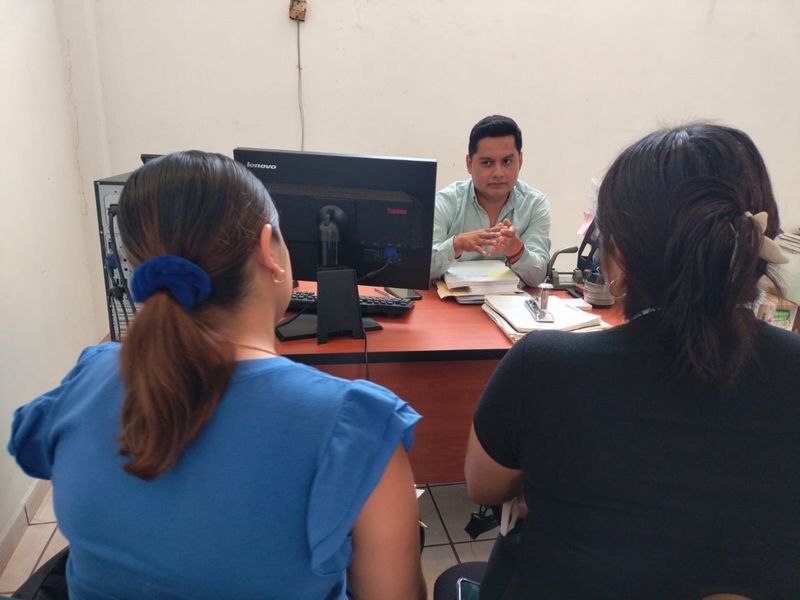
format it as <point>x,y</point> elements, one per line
<point>175,363</point>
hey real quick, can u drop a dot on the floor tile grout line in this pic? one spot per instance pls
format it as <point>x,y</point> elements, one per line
<point>444,526</point>
<point>442,544</point>
<point>455,553</point>
<point>49,541</point>
<point>38,558</point>
<point>44,548</point>
<point>428,488</point>
<point>426,545</point>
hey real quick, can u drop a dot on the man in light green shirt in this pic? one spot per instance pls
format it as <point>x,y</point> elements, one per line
<point>493,215</point>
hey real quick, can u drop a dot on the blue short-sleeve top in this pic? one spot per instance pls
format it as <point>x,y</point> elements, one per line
<point>259,505</point>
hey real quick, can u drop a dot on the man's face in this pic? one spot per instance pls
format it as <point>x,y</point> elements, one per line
<point>495,167</point>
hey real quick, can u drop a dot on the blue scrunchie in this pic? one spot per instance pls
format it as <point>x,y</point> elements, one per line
<point>187,282</point>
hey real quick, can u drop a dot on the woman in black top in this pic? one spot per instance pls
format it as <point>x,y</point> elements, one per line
<point>660,458</point>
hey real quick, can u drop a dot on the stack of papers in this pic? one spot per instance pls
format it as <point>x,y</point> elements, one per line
<point>480,277</point>
<point>512,316</point>
<point>461,296</point>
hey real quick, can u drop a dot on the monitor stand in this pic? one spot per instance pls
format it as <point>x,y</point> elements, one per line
<point>338,312</point>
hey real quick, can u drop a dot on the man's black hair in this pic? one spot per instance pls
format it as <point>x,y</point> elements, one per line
<point>494,126</point>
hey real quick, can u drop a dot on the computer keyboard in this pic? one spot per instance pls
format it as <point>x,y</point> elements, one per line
<point>382,306</point>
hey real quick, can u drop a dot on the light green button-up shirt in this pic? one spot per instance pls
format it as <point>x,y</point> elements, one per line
<point>457,211</point>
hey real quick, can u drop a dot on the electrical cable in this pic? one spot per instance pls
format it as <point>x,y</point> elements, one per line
<point>124,313</point>
<point>300,93</point>
<point>112,213</point>
<point>298,313</point>
<point>112,289</point>
<point>366,353</point>
<point>366,356</point>
<point>113,306</point>
<point>371,273</point>
<point>302,148</point>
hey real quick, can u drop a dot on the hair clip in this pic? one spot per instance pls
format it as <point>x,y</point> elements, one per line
<point>770,250</point>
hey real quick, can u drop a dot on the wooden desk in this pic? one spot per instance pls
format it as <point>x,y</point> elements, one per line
<point>438,357</point>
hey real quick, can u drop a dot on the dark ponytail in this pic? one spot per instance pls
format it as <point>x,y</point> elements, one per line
<point>710,270</point>
<point>175,362</point>
<point>671,211</point>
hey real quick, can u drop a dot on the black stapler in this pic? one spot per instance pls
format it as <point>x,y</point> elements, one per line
<point>588,260</point>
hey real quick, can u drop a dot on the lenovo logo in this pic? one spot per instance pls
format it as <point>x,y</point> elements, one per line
<point>396,211</point>
<point>260,166</point>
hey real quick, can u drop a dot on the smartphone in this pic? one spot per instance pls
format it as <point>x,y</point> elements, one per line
<point>403,293</point>
<point>468,589</point>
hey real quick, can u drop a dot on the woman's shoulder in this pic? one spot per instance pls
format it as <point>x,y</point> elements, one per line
<point>360,405</point>
<point>99,358</point>
<point>102,351</point>
<point>366,402</point>
<point>556,345</point>
<point>309,376</point>
<point>318,388</point>
<point>772,337</point>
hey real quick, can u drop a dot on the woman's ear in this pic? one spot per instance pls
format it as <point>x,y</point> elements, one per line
<point>612,262</point>
<point>265,253</point>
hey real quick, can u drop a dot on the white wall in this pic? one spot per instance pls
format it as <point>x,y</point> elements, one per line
<point>583,78</point>
<point>47,308</point>
<point>88,85</point>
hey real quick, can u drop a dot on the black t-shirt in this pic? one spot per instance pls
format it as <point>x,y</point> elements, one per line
<point>643,485</point>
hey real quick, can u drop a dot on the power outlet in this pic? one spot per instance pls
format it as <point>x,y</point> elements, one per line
<point>297,10</point>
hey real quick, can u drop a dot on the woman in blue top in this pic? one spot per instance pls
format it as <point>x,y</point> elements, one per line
<point>192,461</point>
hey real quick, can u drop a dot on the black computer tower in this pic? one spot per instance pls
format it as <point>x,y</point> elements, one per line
<point>116,268</point>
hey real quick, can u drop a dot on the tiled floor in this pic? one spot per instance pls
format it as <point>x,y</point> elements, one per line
<point>41,541</point>
<point>445,509</point>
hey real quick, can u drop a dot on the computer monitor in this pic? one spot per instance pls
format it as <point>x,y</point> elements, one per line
<point>146,158</point>
<point>369,214</point>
